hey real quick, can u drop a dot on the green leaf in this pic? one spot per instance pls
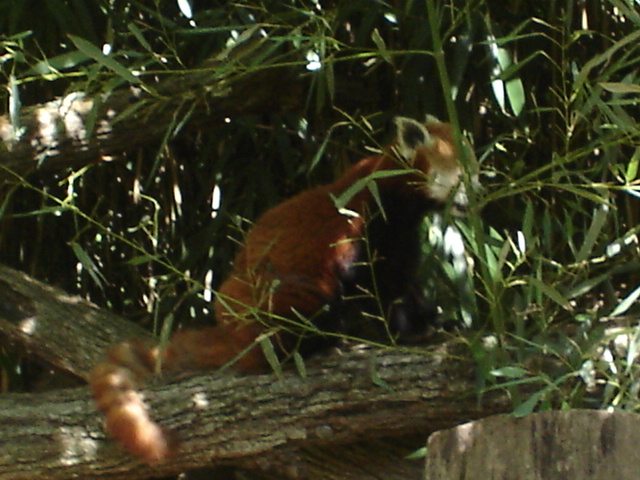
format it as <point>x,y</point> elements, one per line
<point>272,357</point>
<point>632,352</point>
<point>382,47</point>
<point>133,28</point>
<point>376,379</point>
<point>627,10</point>
<point>551,292</point>
<point>321,150</point>
<point>88,264</point>
<point>620,87</point>
<point>417,454</point>
<point>516,95</point>
<point>505,86</point>
<point>527,224</point>
<point>166,329</point>
<point>586,286</point>
<point>14,107</point>
<point>301,368</point>
<point>58,63</point>
<point>583,76</point>
<point>367,182</point>
<point>632,169</point>
<point>625,304</point>
<point>108,62</point>
<point>597,223</point>
<point>527,407</point>
<point>141,259</point>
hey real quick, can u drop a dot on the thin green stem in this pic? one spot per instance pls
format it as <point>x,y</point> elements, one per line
<point>493,288</point>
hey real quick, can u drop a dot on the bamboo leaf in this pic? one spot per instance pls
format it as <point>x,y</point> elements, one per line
<point>108,62</point>
<point>185,8</point>
<point>88,264</point>
<point>133,28</point>
<point>272,357</point>
<point>597,223</point>
<point>582,77</point>
<point>551,292</point>
<point>367,182</point>
<point>632,168</point>
<point>625,304</point>
<point>620,87</point>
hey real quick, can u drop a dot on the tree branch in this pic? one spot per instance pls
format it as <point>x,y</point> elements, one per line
<point>249,421</point>
<point>60,329</point>
<point>78,129</point>
<point>254,421</point>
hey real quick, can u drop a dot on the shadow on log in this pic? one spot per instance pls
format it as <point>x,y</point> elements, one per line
<point>287,424</point>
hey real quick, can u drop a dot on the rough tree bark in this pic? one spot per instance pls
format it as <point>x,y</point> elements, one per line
<point>78,129</point>
<point>564,445</point>
<point>62,330</point>
<point>284,424</point>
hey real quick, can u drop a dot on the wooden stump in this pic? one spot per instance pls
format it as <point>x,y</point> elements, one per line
<point>565,445</point>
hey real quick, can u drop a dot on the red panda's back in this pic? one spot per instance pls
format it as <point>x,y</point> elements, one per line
<point>290,257</point>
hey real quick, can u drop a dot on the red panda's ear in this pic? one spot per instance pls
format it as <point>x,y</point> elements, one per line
<point>429,119</point>
<point>411,136</point>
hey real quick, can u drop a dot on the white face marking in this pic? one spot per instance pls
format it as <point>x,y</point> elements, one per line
<point>448,186</point>
<point>443,183</point>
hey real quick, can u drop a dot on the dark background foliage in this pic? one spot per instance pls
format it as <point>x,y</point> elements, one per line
<point>547,91</point>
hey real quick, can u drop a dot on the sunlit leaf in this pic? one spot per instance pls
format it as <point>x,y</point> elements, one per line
<point>14,107</point>
<point>632,168</point>
<point>509,371</point>
<point>620,87</point>
<point>88,264</point>
<point>510,88</point>
<point>106,61</point>
<point>417,454</point>
<point>185,8</point>
<point>515,92</point>
<point>583,75</point>
<point>626,303</point>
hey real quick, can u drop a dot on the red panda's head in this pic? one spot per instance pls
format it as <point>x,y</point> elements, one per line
<point>430,148</point>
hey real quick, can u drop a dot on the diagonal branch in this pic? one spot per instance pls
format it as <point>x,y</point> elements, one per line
<point>249,421</point>
<point>79,129</point>
<point>252,421</point>
<point>60,329</point>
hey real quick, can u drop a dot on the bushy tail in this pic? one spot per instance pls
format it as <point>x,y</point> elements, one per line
<point>116,381</point>
<point>115,384</point>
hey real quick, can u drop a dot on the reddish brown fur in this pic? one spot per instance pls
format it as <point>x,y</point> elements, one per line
<point>289,266</point>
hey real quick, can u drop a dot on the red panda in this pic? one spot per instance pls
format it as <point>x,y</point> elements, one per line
<point>305,260</point>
